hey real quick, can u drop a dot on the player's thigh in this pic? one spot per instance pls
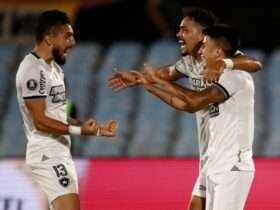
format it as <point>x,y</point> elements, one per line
<point>197,203</point>
<point>67,202</point>
<point>56,176</point>
<point>228,190</point>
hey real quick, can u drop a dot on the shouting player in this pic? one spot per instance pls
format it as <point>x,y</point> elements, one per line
<point>41,97</point>
<point>190,37</point>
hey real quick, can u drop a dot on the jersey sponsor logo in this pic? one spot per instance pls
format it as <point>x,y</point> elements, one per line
<point>32,84</point>
<point>58,93</point>
<point>198,84</point>
<point>213,110</point>
<point>42,83</point>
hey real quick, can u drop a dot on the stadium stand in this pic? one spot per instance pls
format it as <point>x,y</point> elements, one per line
<point>272,102</point>
<point>155,122</point>
<point>148,127</point>
<point>112,105</point>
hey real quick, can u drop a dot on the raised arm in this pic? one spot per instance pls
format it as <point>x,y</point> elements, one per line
<point>183,98</point>
<point>214,69</point>
<point>192,101</point>
<point>44,123</point>
<point>246,63</point>
<point>120,80</point>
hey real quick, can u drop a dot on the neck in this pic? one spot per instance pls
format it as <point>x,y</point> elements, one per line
<point>44,53</point>
<point>195,53</point>
<point>196,56</point>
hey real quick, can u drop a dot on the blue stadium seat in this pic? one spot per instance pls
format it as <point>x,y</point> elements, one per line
<point>7,57</point>
<point>260,101</point>
<point>154,123</point>
<point>79,75</point>
<point>13,138</point>
<point>112,105</point>
<point>272,103</point>
<point>187,142</point>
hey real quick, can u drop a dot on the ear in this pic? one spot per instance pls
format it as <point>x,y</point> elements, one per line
<point>48,40</point>
<point>219,52</point>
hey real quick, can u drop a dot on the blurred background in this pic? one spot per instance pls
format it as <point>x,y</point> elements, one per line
<point>155,142</point>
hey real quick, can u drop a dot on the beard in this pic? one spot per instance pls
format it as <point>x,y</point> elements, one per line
<point>58,57</point>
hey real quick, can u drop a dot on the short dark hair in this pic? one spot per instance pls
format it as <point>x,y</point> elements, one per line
<point>48,20</point>
<point>226,35</point>
<point>200,15</point>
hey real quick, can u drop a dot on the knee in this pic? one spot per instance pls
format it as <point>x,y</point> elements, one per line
<point>67,202</point>
<point>197,203</point>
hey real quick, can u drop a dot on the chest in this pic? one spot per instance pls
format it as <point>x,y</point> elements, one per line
<point>56,88</point>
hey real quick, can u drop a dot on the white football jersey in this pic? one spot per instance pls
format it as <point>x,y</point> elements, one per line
<point>36,79</point>
<point>225,130</point>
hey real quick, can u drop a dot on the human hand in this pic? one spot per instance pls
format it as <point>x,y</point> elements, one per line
<point>121,80</point>
<point>109,129</point>
<point>89,127</point>
<point>213,70</point>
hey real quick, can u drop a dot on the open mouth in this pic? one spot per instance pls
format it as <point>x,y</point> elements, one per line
<point>182,43</point>
<point>66,52</point>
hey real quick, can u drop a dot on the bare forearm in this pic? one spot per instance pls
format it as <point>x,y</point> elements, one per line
<point>246,63</point>
<point>178,90</point>
<point>167,97</point>
<point>167,73</point>
<point>49,125</point>
<point>190,100</point>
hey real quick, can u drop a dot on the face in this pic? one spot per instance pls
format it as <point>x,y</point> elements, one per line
<point>190,36</point>
<point>62,41</point>
<point>209,49</point>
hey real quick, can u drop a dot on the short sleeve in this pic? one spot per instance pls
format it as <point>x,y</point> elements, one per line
<point>183,66</point>
<point>34,83</point>
<point>230,83</point>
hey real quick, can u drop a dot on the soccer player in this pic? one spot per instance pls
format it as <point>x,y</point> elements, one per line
<point>225,115</point>
<point>190,37</point>
<point>41,97</point>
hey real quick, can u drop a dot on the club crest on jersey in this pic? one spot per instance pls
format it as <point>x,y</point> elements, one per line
<point>58,94</point>
<point>64,181</point>
<point>32,84</point>
<point>213,110</point>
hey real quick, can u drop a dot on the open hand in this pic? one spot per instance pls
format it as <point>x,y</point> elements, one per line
<point>109,129</point>
<point>213,70</point>
<point>120,80</point>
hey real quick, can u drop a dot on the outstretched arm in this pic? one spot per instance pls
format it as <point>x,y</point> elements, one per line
<point>183,98</point>
<point>120,80</point>
<point>193,101</point>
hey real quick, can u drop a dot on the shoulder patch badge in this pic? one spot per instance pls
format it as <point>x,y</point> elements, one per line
<point>32,84</point>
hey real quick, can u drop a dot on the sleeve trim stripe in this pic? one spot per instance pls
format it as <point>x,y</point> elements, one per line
<point>35,55</point>
<point>33,97</point>
<point>222,88</point>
